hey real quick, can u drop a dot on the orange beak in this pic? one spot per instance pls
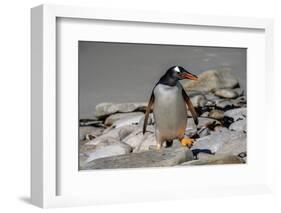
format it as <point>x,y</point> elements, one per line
<point>187,75</point>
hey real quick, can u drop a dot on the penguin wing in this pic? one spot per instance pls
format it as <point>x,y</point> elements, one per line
<point>190,106</point>
<point>150,104</point>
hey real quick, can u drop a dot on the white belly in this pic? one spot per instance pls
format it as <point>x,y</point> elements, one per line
<point>170,112</point>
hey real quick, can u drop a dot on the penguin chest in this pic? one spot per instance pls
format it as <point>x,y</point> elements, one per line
<point>170,112</point>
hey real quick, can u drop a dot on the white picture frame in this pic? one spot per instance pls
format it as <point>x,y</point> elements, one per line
<point>46,170</point>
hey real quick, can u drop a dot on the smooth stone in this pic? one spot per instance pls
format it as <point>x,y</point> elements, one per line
<point>109,147</point>
<point>139,141</point>
<point>240,125</point>
<point>216,114</point>
<point>226,93</point>
<point>113,133</point>
<point>212,79</point>
<point>235,146</point>
<point>205,114</point>
<point>84,131</point>
<point>236,114</point>
<point>162,158</point>
<point>215,160</point>
<point>130,120</point>
<point>105,109</point>
<point>119,116</point>
<point>202,122</point>
<point>216,140</point>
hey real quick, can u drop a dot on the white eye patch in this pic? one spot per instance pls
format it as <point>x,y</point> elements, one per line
<point>177,69</point>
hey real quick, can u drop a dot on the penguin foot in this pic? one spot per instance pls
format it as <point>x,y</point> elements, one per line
<point>187,142</point>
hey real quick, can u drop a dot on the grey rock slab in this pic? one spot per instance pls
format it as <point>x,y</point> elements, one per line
<point>162,158</point>
<point>130,120</point>
<point>240,125</point>
<point>109,147</point>
<point>224,104</point>
<point>240,101</point>
<point>215,160</point>
<point>116,133</point>
<point>105,109</point>
<point>234,147</point>
<point>119,116</point>
<point>216,140</point>
<point>226,93</point>
<point>237,114</point>
<point>141,142</point>
<point>212,79</point>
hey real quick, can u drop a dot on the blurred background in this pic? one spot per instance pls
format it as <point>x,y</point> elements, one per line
<point>123,72</point>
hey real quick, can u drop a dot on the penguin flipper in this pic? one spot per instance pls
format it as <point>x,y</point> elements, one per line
<point>190,107</point>
<point>150,104</point>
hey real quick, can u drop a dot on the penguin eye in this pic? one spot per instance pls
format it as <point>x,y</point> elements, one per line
<point>177,69</point>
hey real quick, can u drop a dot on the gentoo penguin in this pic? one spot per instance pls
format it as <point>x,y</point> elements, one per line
<point>168,100</point>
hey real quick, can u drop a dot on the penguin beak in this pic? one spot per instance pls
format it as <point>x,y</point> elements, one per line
<point>188,75</point>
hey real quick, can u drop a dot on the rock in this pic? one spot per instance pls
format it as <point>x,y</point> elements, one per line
<point>115,133</point>
<point>202,122</point>
<point>140,142</point>
<point>215,160</point>
<point>89,130</point>
<point>129,120</point>
<point>126,130</point>
<point>205,114</point>
<point>224,104</point>
<point>216,140</point>
<point>226,93</point>
<point>236,146</point>
<point>236,114</point>
<point>108,147</point>
<point>105,109</point>
<point>240,102</point>
<point>216,114</point>
<point>119,116</point>
<point>212,79</point>
<point>164,157</point>
<point>240,125</point>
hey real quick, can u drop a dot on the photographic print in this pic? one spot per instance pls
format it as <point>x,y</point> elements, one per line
<point>154,105</point>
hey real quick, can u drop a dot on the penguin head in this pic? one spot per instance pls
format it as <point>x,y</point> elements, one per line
<point>176,73</point>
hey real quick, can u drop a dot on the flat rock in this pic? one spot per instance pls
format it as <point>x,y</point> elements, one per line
<point>234,147</point>
<point>109,147</point>
<point>224,104</point>
<point>116,133</point>
<point>215,160</point>
<point>237,114</point>
<point>140,142</point>
<point>106,109</point>
<point>215,141</point>
<point>120,116</point>
<point>226,93</point>
<point>162,158</point>
<point>240,125</point>
<point>240,101</point>
<point>212,79</point>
